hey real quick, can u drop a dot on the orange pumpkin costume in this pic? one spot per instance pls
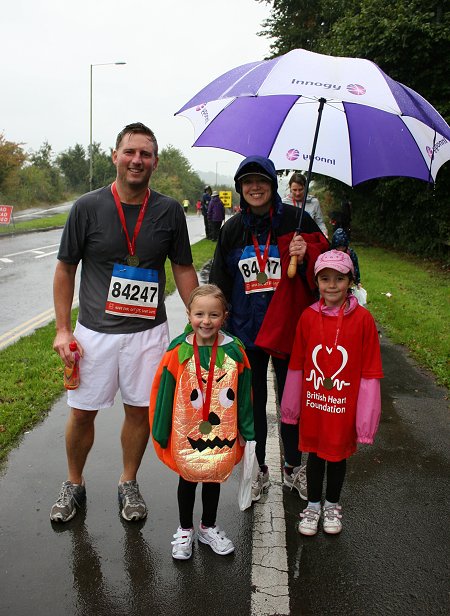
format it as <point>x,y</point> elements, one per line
<point>176,410</point>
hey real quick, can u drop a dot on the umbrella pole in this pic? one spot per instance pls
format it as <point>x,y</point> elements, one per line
<point>292,269</point>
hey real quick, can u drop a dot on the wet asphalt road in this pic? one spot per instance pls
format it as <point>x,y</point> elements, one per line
<point>391,558</point>
<point>98,564</point>
<point>393,554</point>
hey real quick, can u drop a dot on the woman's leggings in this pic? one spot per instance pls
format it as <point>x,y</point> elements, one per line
<point>315,472</point>
<point>186,501</point>
<point>259,362</point>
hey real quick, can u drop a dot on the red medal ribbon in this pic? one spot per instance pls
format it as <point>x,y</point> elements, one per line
<point>198,370</point>
<point>262,261</point>
<point>322,333</point>
<point>131,243</point>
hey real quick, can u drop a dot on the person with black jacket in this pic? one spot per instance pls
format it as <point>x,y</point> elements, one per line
<point>250,266</point>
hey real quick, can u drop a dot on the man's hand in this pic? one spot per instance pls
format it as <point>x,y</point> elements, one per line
<point>61,346</point>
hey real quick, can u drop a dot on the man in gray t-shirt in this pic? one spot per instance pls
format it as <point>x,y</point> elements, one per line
<point>121,235</point>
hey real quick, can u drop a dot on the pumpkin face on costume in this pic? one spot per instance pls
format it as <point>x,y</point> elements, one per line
<point>206,451</point>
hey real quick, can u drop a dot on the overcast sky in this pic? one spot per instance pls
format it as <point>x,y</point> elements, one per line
<point>172,49</point>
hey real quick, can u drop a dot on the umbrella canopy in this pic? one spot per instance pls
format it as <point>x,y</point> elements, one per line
<point>370,125</point>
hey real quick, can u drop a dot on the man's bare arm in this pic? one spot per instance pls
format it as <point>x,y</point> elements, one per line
<point>186,280</point>
<point>63,290</point>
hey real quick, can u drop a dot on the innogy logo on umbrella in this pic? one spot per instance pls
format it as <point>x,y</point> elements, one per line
<point>356,88</point>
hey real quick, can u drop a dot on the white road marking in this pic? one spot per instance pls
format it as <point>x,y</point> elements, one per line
<point>46,254</point>
<point>23,252</point>
<point>270,580</point>
<point>5,260</point>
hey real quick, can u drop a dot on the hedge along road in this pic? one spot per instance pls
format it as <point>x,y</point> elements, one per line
<point>27,265</point>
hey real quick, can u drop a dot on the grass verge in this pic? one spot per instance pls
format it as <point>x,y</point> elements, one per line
<point>415,313</point>
<point>32,373</point>
<point>58,220</point>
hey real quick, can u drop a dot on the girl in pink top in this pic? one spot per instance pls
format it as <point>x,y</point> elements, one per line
<point>332,388</point>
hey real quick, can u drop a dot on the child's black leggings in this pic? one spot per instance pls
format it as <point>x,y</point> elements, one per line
<point>186,501</point>
<point>259,362</point>
<point>315,473</point>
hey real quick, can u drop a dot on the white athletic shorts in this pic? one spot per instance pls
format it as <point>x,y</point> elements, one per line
<point>113,362</point>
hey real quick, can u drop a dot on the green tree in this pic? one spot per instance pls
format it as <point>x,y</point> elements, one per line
<point>12,158</point>
<point>51,186</point>
<point>175,176</point>
<point>103,169</point>
<point>74,164</point>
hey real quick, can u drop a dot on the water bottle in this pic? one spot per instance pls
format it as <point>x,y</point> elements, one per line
<point>72,373</point>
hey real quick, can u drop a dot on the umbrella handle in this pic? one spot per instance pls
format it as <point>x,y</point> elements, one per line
<point>292,269</point>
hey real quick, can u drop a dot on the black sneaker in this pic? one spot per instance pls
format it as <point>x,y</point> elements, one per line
<point>131,501</point>
<point>71,496</point>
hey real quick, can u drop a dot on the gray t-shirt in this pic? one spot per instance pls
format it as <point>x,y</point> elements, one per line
<point>93,234</point>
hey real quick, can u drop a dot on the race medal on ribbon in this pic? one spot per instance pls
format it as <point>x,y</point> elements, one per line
<point>205,427</point>
<point>261,277</point>
<point>132,260</point>
<point>328,383</point>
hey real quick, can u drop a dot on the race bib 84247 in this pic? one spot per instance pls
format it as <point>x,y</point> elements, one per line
<point>133,292</point>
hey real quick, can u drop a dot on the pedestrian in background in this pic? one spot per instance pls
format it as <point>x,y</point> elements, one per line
<point>200,401</point>
<point>206,198</point>
<point>297,184</point>
<point>250,266</point>
<point>122,235</point>
<point>216,215</point>
<point>340,241</point>
<point>186,204</point>
<point>332,390</point>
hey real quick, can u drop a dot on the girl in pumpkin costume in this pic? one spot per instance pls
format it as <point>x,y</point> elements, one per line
<point>199,406</point>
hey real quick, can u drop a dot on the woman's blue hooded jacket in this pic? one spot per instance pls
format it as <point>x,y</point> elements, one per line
<point>247,311</point>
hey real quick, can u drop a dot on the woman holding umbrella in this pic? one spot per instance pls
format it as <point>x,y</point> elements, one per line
<point>250,266</point>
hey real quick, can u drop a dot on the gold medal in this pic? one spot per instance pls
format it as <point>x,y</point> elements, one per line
<point>328,383</point>
<point>132,260</point>
<point>261,277</point>
<point>205,427</point>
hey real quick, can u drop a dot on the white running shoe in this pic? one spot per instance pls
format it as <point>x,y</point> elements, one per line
<point>216,539</point>
<point>332,520</point>
<point>182,544</point>
<point>309,522</point>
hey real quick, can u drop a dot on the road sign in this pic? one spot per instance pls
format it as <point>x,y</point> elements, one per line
<point>6,212</point>
<point>225,197</point>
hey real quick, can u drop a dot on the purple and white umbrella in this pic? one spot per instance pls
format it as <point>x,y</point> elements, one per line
<point>343,116</point>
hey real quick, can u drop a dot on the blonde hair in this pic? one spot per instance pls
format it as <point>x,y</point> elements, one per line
<point>205,290</point>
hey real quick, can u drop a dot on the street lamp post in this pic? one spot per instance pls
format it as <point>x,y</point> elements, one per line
<point>90,117</point>
<point>218,163</point>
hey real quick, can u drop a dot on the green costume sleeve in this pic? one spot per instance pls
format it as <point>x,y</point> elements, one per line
<point>162,421</point>
<point>245,406</point>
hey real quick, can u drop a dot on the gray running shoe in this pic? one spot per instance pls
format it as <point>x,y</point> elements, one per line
<point>70,497</point>
<point>297,481</point>
<point>132,504</point>
<point>260,485</point>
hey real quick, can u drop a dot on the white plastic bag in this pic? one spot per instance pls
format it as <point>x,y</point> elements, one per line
<point>249,472</point>
<point>361,295</point>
